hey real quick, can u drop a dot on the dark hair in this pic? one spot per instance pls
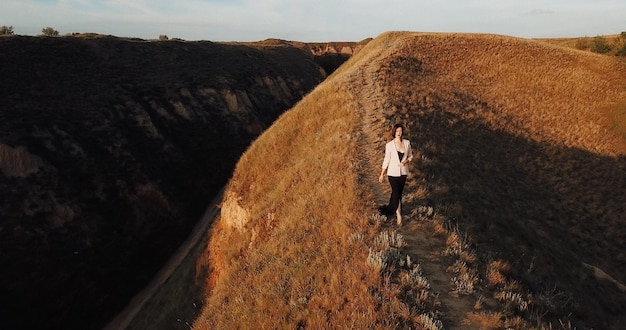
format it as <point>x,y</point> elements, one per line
<point>395,127</point>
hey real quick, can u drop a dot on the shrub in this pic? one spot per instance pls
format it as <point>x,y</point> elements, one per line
<point>49,32</point>
<point>163,37</point>
<point>6,30</point>
<point>622,51</point>
<point>600,45</point>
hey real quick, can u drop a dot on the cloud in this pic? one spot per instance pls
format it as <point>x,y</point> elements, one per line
<point>539,12</point>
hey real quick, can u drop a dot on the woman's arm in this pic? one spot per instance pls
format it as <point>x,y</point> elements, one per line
<point>385,163</point>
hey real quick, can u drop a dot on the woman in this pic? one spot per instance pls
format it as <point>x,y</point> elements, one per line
<point>397,156</point>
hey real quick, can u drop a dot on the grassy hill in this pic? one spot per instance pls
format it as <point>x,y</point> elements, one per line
<point>514,209</point>
<point>605,44</point>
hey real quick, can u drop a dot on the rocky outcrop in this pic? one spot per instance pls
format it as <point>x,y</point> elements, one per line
<point>331,55</point>
<point>110,150</point>
<point>346,48</point>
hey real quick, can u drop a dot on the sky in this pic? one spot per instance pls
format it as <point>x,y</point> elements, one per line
<point>314,20</point>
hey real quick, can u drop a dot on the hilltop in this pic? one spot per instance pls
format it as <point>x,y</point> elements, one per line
<point>614,45</point>
<point>110,151</point>
<point>514,209</point>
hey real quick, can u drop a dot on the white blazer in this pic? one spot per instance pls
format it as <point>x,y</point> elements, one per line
<point>392,162</point>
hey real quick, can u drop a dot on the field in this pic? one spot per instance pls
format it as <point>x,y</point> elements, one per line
<point>513,212</point>
<point>608,44</point>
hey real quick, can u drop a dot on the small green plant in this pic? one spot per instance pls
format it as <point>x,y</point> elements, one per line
<point>6,30</point>
<point>49,32</point>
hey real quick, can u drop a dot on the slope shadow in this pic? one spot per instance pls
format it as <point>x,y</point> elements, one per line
<point>545,208</point>
<point>134,139</point>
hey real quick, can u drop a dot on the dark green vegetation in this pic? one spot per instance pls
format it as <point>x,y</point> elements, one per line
<point>6,30</point>
<point>110,151</point>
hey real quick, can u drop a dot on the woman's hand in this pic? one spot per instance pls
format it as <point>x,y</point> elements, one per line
<point>381,178</point>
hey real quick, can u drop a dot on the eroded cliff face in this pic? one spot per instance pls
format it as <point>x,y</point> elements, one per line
<point>110,150</point>
<point>346,48</point>
<point>331,55</point>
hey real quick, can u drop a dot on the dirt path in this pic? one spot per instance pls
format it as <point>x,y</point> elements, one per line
<point>418,232</point>
<point>426,248</point>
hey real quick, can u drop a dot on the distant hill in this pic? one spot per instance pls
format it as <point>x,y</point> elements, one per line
<point>110,151</point>
<point>603,44</point>
<point>513,212</point>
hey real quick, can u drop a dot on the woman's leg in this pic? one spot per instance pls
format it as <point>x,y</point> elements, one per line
<point>399,213</point>
<point>397,185</point>
<point>400,188</point>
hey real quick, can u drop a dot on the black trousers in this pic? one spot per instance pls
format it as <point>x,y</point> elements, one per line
<point>397,186</point>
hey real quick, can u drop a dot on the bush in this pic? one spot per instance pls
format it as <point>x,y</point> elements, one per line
<point>49,32</point>
<point>163,37</point>
<point>600,45</point>
<point>621,51</point>
<point>6,30</point>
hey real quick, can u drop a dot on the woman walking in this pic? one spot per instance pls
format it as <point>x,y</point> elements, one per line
<point>397,156</point>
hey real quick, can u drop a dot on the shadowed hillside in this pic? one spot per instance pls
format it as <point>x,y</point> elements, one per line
<point>110,151</point>
<point>514,209</point>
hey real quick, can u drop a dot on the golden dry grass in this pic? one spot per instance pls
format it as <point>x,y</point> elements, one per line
<point>614,43</point>
<point>523,149</point>
<point>521,152</point>
<point>297,258</point>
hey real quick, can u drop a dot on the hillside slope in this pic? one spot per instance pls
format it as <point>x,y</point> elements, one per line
<point>110,151</point>
<point>519,183</point>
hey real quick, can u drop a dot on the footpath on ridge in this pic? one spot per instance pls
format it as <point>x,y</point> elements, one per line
<point>422,245</point>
